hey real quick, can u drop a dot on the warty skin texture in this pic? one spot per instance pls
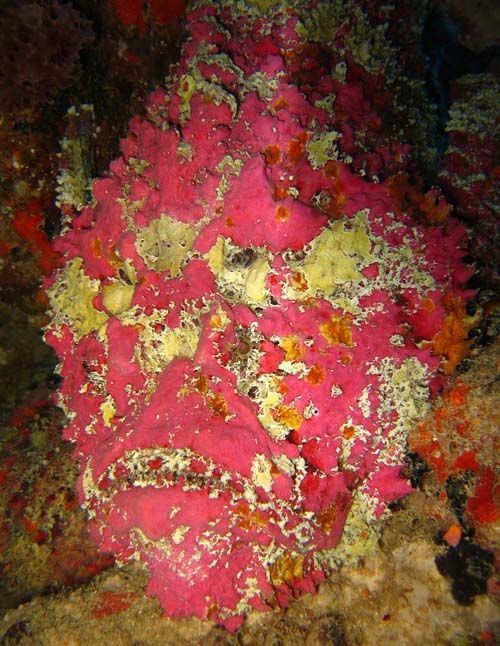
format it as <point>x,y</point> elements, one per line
<point>245,327</point>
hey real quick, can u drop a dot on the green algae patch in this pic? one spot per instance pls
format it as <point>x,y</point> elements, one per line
<point>187,87</point>
<point>117,297</point>
<point>336,256</point>
<point>159,344</point>
<point>322,23</point>
<point>322,148</point>
<point>165,244</point>
<point>71,299</point>
<point>264,5</point>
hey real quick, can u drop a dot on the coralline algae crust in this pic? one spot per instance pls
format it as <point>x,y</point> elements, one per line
<point>236,320</point>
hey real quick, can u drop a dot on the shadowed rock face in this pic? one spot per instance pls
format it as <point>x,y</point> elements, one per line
<point>41,43</point>
<point>477,23</point>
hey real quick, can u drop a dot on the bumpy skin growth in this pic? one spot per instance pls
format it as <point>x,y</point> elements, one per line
<point>237,320</point>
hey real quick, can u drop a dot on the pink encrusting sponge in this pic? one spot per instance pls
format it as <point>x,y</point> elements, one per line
<point>246,324</point>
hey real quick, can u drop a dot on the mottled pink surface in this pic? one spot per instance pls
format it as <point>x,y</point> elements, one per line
<point>171,476</point>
